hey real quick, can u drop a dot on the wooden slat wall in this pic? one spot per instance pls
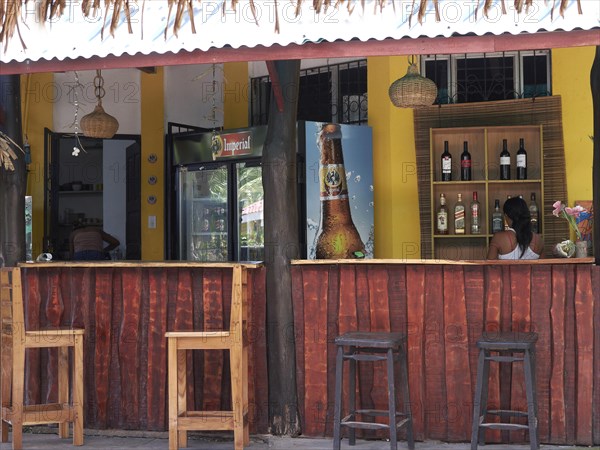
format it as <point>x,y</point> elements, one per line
<point>545,111</point>
<point>125,312</point>
<point>443,309</point>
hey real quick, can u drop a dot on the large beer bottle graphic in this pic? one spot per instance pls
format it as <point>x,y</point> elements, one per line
<point>338,238</point>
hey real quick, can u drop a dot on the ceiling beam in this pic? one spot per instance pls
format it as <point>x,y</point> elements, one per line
<point>338,49</point>
<point>150,70</point>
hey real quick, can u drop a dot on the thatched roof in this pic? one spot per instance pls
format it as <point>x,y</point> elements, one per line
<point>11,10</point>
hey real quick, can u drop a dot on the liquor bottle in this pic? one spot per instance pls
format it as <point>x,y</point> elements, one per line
<point>497,222</point>
<point>442,216</point>
<point>337,237</point>
<point>475,215</point>
<point>521,161</point>
<point>504,161</point>
<point>535,214</point>
<point>446,164</point>
<point>459,216</point>
<point>465,163</point>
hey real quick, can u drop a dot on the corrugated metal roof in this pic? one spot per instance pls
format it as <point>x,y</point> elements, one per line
<point>74,36</point>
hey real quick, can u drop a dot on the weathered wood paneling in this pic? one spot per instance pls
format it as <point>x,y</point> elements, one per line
<point>125,311</point>
<point>444,308</point>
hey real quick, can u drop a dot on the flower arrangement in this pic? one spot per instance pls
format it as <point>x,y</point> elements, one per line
<point>570,214</point>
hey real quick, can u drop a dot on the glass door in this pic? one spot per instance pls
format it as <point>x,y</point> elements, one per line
<point>203,214</point>
<point>250,246</point>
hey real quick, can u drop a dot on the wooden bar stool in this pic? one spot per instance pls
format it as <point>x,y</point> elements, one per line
<point>505,347</point>
<point>15,340</point>
<point>236,341</point>
<point>371,347</point>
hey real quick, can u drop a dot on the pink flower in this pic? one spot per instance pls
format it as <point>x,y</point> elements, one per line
<point>557,208</point>
<point>575,211</point>
<point>571,214</point>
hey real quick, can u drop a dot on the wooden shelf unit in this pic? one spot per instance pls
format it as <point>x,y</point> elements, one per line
<point>485,144</point>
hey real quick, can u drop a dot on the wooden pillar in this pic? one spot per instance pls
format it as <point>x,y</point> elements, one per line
<point>281,245</point>
<point>12,183</point>
<point>595,84</point>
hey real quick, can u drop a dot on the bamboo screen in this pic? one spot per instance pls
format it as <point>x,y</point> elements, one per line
<point>545,111</point>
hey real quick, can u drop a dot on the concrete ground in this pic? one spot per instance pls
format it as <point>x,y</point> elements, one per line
<point>39,438</point>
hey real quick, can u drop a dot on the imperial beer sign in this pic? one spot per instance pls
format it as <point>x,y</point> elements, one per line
<point>231,144</point>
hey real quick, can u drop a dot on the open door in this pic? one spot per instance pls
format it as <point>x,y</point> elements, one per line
<point>93,187</point>
<point>133,194</point>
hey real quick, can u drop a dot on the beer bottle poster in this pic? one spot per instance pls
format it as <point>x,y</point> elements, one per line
<point>339,191</point>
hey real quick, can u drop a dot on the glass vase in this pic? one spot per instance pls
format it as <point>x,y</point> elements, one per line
<point>581,249</point>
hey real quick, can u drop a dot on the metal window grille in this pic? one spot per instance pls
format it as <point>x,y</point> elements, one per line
<point>331,93</point>
<point>488,77</point>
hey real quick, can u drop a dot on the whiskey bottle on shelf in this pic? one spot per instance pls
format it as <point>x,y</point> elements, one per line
<point>521,161</point>
<point>442,216</point>
<point>446,163</point>
<point>465,163</point>
<point>459,216</point>
<point>535,214</point>
<point>475,215</point>
<point>497,222</point>
<point>504,161</point>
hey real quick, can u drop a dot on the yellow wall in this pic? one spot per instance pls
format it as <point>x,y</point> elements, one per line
<point>571,80</point>
<point>236,95</point>
<point>37,113</point>
<point>397,229</point>
<point>153,136</point>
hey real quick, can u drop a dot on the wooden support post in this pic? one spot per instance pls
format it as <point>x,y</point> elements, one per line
<point>12,183</point>
<point>275,85</point>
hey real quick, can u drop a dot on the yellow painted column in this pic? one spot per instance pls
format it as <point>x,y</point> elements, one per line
<point>236,95</point>
<point>37,114</point>
<point>153,132</point>
<point>397,228</point>
<point>571,80</point>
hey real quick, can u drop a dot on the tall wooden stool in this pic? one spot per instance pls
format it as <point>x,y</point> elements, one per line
<point>15,339</point>
<point>236,341</point>
<point>371,347</point>
<point>507,347</point>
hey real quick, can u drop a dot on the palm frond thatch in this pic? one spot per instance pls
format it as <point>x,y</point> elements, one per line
<point>7,154</point>
<point>10,10</point>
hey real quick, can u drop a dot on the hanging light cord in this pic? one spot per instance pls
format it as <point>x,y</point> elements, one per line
<point>75,124</point>
<point>99,87</point>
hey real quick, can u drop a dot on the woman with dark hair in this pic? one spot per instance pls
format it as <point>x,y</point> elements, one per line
<point>518,241</point>
<point>87,243</point>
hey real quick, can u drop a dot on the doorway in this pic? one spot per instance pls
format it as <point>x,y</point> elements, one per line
<point>90,182</point>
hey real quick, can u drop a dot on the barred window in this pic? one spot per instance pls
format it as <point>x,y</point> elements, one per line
<point>331,93</point>
<point>489,76</point>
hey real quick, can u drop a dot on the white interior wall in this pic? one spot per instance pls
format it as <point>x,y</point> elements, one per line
<point>114,193</point>
<point>189,93</point>
<point>121,99</point>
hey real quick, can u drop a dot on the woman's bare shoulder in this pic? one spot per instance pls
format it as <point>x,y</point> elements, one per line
<point>537,243</point>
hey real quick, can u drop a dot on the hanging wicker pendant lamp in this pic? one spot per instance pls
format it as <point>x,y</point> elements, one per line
<point>412,90</point>
<point>98,123</point>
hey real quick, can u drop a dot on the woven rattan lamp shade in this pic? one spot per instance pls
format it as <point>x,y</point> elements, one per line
<point>413,90</point>
<point>99,124</point>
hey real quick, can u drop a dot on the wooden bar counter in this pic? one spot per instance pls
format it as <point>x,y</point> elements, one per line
<point>126,308</point>
<point>443,306</point>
